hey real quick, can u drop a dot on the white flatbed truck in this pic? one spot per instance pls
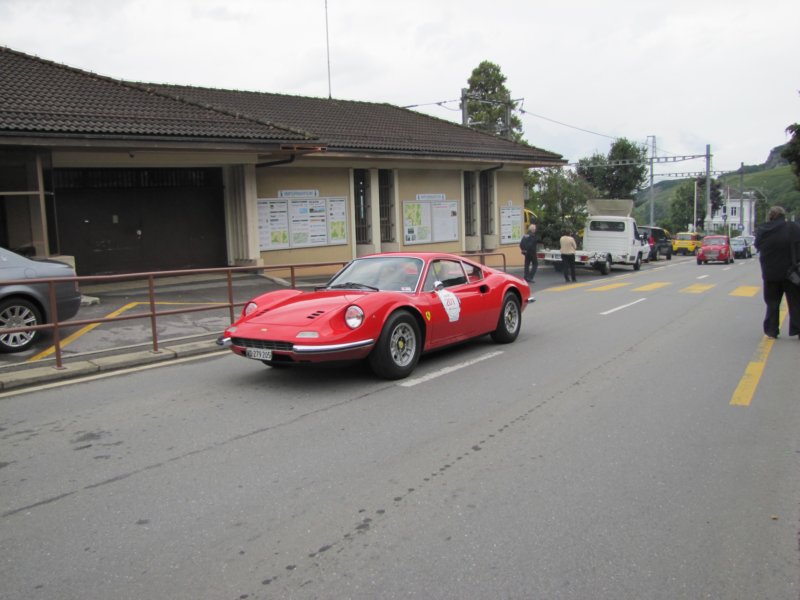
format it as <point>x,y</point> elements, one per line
<point>610,237</point>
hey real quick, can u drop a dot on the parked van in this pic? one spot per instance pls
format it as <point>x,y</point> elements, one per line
<point>530,217</point>
<point>686,243</point>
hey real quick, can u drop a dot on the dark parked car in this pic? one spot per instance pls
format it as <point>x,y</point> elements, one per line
<point>740,247</point>
<point>28,305</point>
<point>660,241</point>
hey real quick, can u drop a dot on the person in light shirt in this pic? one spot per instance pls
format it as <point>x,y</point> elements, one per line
<point>568,249</point>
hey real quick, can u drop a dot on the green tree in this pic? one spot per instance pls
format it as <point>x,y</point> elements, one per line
<point>621,173</point>
<point>489,105</point>
<point>792,152</point>
<point>716,196</point>
<point>681,208</point>
<point>558,197</point>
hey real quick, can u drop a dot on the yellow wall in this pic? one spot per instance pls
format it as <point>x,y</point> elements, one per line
<point>330,182</point>
<point>409,184</point>
<point>336,182</point>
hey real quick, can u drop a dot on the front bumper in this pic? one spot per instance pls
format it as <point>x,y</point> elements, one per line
<point>288,352</point>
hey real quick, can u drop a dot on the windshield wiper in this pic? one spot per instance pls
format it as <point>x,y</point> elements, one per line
<point>353,285</point>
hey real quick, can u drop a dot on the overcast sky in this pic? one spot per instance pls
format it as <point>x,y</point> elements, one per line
<point>689,73</point>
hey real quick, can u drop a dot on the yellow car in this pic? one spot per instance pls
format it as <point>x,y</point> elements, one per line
<point>686,243</point>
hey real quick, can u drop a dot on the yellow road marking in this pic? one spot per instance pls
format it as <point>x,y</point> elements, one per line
<point>743,395</point>
<point>697,288</point>
<point>652,286</point>
<point>87,328</point>
<point>610,286</point>
<point>568,286</point>
<point>746,291</point>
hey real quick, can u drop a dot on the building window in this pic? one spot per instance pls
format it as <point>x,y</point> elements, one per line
<point>733,211</point>
<point>362,206</point>
<point>386,204</point>
<point>470,205</point>
<point>487,203</point>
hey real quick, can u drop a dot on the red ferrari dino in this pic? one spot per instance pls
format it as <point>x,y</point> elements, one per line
<point>386,308</point>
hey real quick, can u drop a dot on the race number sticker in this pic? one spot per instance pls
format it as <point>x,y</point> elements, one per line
<point>451,304</point>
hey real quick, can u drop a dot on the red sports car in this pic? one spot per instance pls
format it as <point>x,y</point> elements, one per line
<point>715,248</point>
<point>386,308</point>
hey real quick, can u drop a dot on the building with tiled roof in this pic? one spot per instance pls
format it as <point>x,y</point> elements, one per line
<point>128,176</point>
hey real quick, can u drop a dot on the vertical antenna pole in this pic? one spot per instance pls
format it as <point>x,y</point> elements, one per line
<point>328,47</point>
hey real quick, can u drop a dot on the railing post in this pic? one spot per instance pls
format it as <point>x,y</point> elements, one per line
<point>152,297</point>
<point>230,294</point>
<point>51,286</point>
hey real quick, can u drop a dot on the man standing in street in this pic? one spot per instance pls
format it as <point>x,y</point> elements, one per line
<point>774,241</point>
<point>528,246</point>
<point>568,249</point>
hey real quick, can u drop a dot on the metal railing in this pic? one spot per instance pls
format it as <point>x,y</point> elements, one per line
<point>152,314</point>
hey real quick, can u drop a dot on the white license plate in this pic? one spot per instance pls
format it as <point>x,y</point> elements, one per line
<point>258,353</point>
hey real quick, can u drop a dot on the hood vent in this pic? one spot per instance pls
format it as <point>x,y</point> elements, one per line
<point>315,314</point>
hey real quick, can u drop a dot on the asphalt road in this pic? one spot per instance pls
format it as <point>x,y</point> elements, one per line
<point>625,446</point>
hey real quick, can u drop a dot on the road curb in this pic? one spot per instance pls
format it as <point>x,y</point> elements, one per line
<point>15,380</point>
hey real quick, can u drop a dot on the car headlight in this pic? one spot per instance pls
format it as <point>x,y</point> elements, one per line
<point>353,316</point>
<point>249,309</point>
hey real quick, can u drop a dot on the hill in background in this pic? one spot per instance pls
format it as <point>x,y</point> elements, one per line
<point>774,179</point>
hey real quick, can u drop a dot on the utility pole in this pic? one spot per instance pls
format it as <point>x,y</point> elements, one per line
<point>464,114</point>
<point>709,215</point>
<point>741,198</point>
<point>652,196</point>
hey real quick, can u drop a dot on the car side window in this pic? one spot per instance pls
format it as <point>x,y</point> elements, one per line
<point>448,272</point>
<point>474,273</point>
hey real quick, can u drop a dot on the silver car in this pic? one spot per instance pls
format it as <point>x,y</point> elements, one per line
<point>28,305</point>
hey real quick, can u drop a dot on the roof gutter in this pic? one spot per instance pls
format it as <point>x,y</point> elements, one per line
<point>284,161</point>
<point>493,169</point>
<point>301,149</point>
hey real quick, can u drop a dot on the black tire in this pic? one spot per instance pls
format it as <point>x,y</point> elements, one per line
<point>638,263</point>
<point>605,267</point>
<point>510,320</point>
<point>399,347</point>
<point>16,312</point>
<point>669,255</point>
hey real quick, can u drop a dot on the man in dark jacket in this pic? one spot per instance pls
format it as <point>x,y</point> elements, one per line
<point>774,241</point>
<point>528,246</point>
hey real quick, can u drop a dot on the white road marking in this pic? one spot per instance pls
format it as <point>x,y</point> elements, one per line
<point>106,374</point>
<point>702,276</point>
<point>613,310</point>
<point>446,370</point>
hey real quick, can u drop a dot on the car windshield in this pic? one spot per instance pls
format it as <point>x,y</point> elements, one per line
<point>714,241</point>
<point>737,242</point>
<point>395,273</point>
<point>684,236</point>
